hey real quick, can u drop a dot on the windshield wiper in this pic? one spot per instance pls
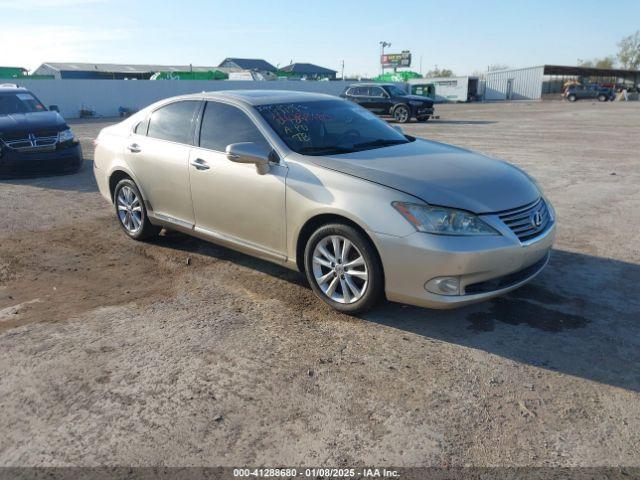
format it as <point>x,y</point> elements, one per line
<point>379,143</point>
<point>324,150</point>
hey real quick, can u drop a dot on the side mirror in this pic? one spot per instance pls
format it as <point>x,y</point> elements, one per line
<point>54,108</point>
<point>249,152</point>
<point>398,128</point>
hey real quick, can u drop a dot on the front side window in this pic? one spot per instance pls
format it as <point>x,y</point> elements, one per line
<point>224,124</point>
<point>174,122</point>
<point>19,102</point>
<point>327,127</point>
<point>395,91</point>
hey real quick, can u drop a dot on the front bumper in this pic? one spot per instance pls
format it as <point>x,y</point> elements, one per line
<point>423,111</point>
<point>486,266</point>
<point>64,159</point>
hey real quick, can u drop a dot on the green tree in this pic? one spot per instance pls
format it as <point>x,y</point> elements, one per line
<point>604,62</point>
<point>629,51</point>
<point>439,72</point>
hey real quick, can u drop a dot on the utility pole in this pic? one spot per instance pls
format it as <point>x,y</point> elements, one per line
<point>342,75</point>
<point>383,44</point>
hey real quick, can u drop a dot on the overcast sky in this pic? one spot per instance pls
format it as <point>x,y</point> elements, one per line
<point>463,35</point>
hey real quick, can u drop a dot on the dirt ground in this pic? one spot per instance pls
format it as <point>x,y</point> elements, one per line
<point>180,352</point>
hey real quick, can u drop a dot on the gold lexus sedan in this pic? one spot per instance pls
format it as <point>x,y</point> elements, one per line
<point>321,185</point>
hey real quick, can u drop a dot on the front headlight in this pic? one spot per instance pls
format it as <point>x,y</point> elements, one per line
<point>443,221</point>
<point>65,136</point>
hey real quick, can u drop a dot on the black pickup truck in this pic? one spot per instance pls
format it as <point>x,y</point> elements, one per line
<point>389,99</point>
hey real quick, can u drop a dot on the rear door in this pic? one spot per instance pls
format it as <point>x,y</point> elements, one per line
<point>360,95</point>
<point>158,155</point>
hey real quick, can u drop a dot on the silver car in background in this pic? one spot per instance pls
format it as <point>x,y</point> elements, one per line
<point>321,185</point>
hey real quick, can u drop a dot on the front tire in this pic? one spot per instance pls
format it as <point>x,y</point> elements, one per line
<point>343,268</point>
<point>602,98</point>
<point>572,98</point>
<point>131,211</point>
<point>401,114</point>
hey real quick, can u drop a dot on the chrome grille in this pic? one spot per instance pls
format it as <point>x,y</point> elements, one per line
<point>32,142</point>
<point>528,221</point>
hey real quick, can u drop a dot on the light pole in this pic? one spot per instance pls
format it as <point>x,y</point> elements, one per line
<point>383,44</point>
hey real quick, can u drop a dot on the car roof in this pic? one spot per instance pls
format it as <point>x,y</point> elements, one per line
<point>263,97</point>
<point>11,89</point>
<point>371,84</point>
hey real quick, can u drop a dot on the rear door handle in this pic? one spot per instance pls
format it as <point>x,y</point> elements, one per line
<point>200,164</point>
<point>134,148</point>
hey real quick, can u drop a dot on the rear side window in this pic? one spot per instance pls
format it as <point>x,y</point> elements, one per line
<point>224,124</point>
<point>174,122</point>
<point>360,91</point>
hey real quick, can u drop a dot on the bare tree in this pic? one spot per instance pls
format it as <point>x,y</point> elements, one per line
<point>629,51</point>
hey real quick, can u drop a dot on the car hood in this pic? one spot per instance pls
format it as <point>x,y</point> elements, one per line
<point>440,174</point>
<point>31,122</point>
<point>416,98</point>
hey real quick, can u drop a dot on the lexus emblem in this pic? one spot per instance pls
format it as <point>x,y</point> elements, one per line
<point>536,219</point>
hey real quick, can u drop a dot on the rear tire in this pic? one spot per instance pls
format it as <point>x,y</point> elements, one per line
<point>131,211</point>
<point>602,98</point>
<point>331,273</point>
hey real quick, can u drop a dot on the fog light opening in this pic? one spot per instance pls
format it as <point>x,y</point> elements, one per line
<point>444,286</point>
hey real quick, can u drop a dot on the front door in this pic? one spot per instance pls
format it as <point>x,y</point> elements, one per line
<point>158,154</point>
<point>231,200</point>
<point>379,101</point>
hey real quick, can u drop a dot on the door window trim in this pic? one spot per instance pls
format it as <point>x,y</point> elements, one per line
<point>198,132</point>
<point>196,113</point>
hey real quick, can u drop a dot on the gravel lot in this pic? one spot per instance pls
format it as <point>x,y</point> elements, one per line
<point>121,353</point>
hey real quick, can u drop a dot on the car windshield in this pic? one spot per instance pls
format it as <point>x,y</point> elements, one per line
<point>19,102</point>
<point>329,127</point>
<point>395,91</point>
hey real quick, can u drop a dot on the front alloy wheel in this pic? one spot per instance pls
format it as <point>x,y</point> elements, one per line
<point>339,269</point>
<point>343,268</point>
<point>401,114</point>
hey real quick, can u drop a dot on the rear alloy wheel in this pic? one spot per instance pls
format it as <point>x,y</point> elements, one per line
<point>131,212</point>
<point>602,98</point>
<point>343,268</point>
<point>401,114</point>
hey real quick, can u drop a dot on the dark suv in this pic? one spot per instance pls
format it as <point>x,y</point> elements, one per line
<point>33,140</point>
<point>389,99</point>
<point>581,92</point>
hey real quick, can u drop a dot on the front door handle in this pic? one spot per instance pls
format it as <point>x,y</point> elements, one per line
<point>134,148</point>
<point>200,164</point>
